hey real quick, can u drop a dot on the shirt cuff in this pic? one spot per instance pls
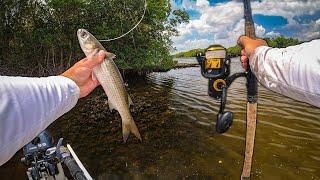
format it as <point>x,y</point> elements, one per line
<point>73,92</point>
<point>258,53</point>
<point>71,85</point>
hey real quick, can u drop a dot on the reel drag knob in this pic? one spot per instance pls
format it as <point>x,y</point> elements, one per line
<point>224,121</point>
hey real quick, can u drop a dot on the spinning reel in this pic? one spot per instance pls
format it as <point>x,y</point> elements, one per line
<point>215,66</point>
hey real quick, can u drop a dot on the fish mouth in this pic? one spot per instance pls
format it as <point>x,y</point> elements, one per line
<point>82,33</point>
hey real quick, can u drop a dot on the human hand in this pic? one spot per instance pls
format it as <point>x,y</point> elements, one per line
<point>81,73</point>
<point>248,46</point>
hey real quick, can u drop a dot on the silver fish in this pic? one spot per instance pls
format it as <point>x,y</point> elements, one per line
<point>111,80</point>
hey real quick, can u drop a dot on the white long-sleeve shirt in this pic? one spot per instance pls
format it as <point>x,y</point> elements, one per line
<point>293,71</point>
<point>30,105</point>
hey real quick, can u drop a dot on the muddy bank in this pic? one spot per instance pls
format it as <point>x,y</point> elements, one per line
<point>100,130</point>
<point>95,133</point>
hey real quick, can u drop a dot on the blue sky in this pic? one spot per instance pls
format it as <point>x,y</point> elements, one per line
<point>221,21</point>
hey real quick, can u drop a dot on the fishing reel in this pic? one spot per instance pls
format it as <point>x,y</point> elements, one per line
<point>215,66</point>
<point>44,160</point>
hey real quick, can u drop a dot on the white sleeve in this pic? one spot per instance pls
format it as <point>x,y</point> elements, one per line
<point>293,71</point>
<point>30,105</point>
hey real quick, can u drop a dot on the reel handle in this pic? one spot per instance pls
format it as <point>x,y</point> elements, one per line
<point>224,119</point>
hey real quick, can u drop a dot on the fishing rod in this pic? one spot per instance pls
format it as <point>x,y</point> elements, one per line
<point>252,99</point>
<point>215,66</point>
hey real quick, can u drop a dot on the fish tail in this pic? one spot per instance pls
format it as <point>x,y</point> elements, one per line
<point>130,127</point>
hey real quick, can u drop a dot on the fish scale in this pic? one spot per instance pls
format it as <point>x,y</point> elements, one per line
<point>111,80</point>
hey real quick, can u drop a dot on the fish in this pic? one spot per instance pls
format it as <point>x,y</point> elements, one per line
<point>111,81</point>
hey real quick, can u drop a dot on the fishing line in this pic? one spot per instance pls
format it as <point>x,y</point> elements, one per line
<point>134,27</point>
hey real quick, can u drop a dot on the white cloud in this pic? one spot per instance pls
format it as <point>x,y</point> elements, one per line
<point>272,34</point>
<point>202,3</point>
<point>260,30</point>
<point>183,30</point>
<point>217,24</point>
<point>223,23</point>
<point>287,9</point>
<point>193,44</point>
<point>311,31</point>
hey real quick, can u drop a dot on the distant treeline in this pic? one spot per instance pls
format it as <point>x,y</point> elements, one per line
<point>278,42</point>
<point>39,37</point>
<point>190,53</point>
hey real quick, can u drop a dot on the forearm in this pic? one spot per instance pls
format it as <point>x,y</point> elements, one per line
<point>292,71</point>
<point>28,106</point>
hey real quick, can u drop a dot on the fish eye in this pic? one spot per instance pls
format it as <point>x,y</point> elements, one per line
<point>83,34</point>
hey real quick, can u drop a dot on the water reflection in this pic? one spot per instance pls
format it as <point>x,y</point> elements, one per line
<point>287,142</point>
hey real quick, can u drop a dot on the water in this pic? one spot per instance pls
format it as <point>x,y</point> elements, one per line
<point>186,60</point>
<point>176,117</point>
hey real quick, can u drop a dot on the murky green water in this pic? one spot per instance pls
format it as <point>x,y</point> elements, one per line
<point>176,118</point>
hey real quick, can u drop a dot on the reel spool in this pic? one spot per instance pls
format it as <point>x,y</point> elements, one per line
<point>215,66</point>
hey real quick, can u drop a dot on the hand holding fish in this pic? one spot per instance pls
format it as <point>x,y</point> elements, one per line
<point>81,73</point>
<point>111,81</point>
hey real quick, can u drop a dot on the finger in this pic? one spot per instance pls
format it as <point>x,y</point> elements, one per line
<point>263,42</point>
<point>84,61</point>
<point>240,41</point>
<point>101,55</point>
<point>95,59</point>
<point>93,53</point>
<point>97,83</point>
<point>243,41</point>
<point>94,77</point>
<point>243,52</point>
<point>244,59</point>
<point>93,85</point>
<point>95,80</point>
<point>245,66</point>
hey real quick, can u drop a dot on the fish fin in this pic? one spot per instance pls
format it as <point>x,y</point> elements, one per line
<point>125,131</point>
<point>131,127</point>
<point>113,56</point>
<point>130,101</point>
<point>110,55</point>
<point>111,106</point>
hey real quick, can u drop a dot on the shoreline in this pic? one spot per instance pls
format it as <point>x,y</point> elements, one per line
<point>185,65</point>
<point>128,73</point>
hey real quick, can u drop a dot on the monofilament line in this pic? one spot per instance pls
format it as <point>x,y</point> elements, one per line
<point>144,12</point>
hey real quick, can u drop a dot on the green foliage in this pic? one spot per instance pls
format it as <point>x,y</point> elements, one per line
<point>39,37</point>
<point>282,42</point>
<point>234,51</point>
<point>191,53</point>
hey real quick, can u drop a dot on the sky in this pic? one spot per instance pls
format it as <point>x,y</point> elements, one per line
<point>221,21</point>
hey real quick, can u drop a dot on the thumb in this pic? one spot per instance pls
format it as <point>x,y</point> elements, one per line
<point>243,41</point>
<point>95,59</point>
